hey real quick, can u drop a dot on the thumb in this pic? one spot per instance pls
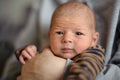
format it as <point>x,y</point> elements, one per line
<point>47,51</point>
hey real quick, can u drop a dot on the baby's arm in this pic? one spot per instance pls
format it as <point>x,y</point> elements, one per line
<point>87,64</point>
<point>26,53</point>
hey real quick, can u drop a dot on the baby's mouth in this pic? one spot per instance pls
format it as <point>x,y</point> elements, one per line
<point>67,50</point>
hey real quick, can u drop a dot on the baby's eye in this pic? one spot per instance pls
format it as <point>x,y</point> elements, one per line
<point>59,32</point>
<point>79,33</point>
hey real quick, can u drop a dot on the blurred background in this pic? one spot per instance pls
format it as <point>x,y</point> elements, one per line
<point>25,22</point>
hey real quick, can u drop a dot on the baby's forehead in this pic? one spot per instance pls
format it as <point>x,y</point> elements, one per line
<point>74,9</point>
<point>71,25</point>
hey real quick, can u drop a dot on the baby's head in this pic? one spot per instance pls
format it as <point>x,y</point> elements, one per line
<point>73,29</point>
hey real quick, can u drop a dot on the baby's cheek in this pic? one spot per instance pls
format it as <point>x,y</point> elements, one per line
<point>79,50</point>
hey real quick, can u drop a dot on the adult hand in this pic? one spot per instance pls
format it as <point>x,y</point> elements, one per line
<point>44,66</point>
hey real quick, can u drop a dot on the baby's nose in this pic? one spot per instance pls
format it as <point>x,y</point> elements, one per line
<point>67,38</point>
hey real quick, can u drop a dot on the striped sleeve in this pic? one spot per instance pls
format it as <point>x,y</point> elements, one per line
<point>86,65</point>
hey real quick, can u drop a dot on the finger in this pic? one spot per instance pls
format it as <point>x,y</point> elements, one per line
<point>47,50</point>
<point>31,51</point>
<point>19,51</point>
<point>34,48</point>
<point>21,58</point>
<point>25,54</point>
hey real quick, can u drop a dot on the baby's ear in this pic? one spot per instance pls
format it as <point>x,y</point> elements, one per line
<point>95,38</point>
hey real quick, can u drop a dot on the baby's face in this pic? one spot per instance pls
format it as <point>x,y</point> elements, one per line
<point>71,35</point>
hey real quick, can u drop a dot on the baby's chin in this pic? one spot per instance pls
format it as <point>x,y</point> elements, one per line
<point>68,56</point>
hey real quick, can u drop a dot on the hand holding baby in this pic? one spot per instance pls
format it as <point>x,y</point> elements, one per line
<point>44,66</point>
